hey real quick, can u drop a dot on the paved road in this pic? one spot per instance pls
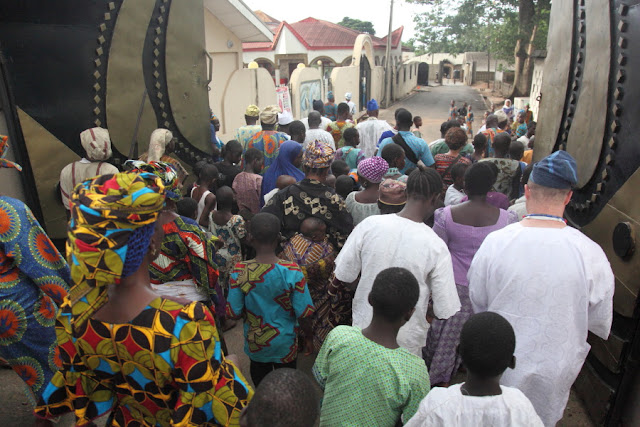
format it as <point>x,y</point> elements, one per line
<point>432,105</point>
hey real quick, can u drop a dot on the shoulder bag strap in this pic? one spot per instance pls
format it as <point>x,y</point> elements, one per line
<point>398,139</point>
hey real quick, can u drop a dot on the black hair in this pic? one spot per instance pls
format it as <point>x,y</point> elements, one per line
<point>318,105</point>
<point>423,184</point>
<point>526,173</point>
<point>487,343</point>
<point>246,214</point>
<point>208,172</point>
<point>416,118</point>
<point>410,171</point>
<point>391,152</point>
<point>197,168</point>
<point>445,126</point>
<point>296,127</point>
<point>344,185</point>
<point>224,197</point>
<point>285,397</point>
<point>187,207</point>
<point>458,170</point>
<point>395,113</point>
<point>349,134</point>
<point>313,222</point>
<point>232,146</point>
<point>339,167</point>
<point>455,138</point>
<point>480,141</point>
<point>253,154</point>
<point>394,293</point>
<point>479,179</point>
<point>491,118</point>
<point>315,118</point>
<point>516,150</point>
<point>343,108</point>
<point>404,119</point>
<point>501,143</point>
<point>265,227</point>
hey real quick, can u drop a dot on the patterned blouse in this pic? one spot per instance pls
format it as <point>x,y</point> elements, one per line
<point>164,368</point>
<point>33,282</point>
<point>186,253</point>
<point>230,235</point>
<point>311,198</point>
<point>336,129</point>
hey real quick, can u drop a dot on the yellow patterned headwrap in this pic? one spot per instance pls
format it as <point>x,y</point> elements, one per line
<point>112,220</point>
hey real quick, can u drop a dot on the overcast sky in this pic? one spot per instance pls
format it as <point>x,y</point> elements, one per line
<point>376,11</point>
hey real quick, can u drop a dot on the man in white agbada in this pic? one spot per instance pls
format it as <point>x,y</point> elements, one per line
<point>371,130</point>
<point>318,106</point>
<point>314,133</point>
<point>564,290</point>
<point>97,146</point>
<point>402,240</point>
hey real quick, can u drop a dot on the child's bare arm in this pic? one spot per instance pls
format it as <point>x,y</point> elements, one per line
<point>210,202</point>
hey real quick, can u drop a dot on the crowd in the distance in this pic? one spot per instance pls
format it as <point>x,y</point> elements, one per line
<point>395,263</point>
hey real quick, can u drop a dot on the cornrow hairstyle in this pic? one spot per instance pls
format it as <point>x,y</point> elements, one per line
<point>424,184</point>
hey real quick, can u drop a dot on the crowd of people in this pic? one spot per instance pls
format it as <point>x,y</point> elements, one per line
<point>396,263</point>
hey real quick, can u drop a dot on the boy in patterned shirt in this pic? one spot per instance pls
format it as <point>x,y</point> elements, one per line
<point>368,379</point>
<point>271,295</point>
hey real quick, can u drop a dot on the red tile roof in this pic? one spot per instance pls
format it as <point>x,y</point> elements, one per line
<point>316,34</point>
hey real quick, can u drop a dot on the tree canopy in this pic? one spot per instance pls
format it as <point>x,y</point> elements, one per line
<point>358,25</point>
<point>480,25</point>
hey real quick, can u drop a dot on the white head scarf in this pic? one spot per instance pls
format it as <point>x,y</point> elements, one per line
<point>158,143</point>
<point>96,144</point>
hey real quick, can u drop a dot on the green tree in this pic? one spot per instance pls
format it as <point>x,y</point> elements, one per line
<point>358,25</point>
<point>503,28</point>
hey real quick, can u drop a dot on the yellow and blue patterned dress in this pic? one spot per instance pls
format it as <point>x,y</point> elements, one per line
<point>33,282</point>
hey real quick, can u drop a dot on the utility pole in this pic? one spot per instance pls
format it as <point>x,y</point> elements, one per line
<point>387,73</point>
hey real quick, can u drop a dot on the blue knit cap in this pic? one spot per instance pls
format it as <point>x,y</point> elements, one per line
<point>557,170</point>
<point>372,105</point>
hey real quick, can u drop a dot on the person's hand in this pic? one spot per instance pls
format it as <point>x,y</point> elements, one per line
<point>430,314</point>
<point>308,346</point>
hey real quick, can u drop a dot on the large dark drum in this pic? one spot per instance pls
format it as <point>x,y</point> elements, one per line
<point>590,108</point>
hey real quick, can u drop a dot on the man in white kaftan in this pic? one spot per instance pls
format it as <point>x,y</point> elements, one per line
<point>394,240</point>
<point>316,133</point>
<point>371,129</point>
<point>563,290</point>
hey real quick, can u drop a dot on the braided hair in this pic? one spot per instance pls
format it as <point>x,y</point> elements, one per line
<point>424,184</point>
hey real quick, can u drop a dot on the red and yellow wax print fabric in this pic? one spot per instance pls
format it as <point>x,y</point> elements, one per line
<point>163,368</point>
<point>33,282</point>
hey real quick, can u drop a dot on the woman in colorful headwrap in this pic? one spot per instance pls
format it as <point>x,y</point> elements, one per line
<point>287,163</point>
<point>33,282</point>
<point>311,197</point>
<point>268,140</point>
<point>363,204</point>
<point>161,144</point>
<point>185,267</point>
<point>330,108</point>
<point>97,147</point>
<point>125,350</point>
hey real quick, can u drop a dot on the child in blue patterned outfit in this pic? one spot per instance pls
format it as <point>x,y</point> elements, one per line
<point>271,295</point>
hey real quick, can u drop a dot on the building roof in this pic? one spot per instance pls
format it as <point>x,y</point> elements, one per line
<point>239,19</point>
<point>271,22</point>
<point>316,34</point>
